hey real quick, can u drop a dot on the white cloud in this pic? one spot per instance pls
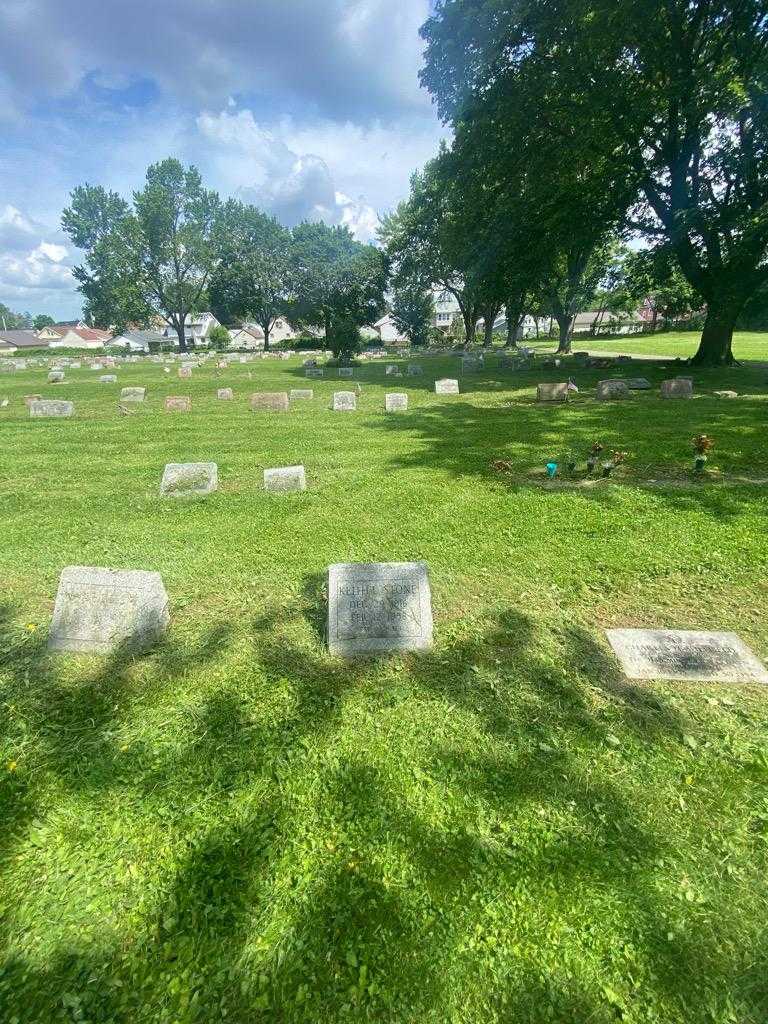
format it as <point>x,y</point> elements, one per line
<point>342,174</point>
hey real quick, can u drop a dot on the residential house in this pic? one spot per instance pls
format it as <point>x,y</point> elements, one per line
<point>197,328</point>
<point>249,336</point>
<point>138,341</point>
<point>54,331</point>
<point>12,341</point>
<point>82,337</point>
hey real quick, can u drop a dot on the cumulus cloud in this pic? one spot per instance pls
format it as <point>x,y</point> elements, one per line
<point>262,169</point>
<point>35,272</point>
<point>339,58</point>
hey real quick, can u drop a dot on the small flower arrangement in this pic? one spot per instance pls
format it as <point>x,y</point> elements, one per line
<point>593,456</point>
<point>615,460</point>
<point>702,445</point>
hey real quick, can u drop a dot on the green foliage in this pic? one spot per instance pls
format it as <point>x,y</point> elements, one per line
<point>413,312</point>
<point>661,106</point>
<point>42,320</point>
<point>335,280</point>
<point>14,321</point>
<point>237,827</point>
<point>345,340</point>
<point>654,275</point>
<point>219,338</point>
<point>254,280</point>
<point>156,259</point>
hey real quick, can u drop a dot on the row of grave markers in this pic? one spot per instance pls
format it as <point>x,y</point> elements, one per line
<point>373,608</point>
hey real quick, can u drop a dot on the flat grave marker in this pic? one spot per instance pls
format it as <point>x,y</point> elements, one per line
<point>686,655</point>
<point>344,401</point>
<point>178,403</point>
<point>133,394</point>
<point>47,407</point>
<point>189,479</point>
<point>225,394</point>
<point>552,392</point>
<point>270,401</point>
<point>447,386</point>
<point>285,479</point>
<point>396,402</point>
<point>613,391</point>
<point>678,388</point>
<point>98,609</point>
<point>301,394</point>
<point>379,607</point>
<point>56,377</point>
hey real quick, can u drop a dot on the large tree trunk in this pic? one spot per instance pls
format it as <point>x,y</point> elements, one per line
<point>564,323</point>
<point>267,328</point>
<point>181,336</point>
<point>715,347</point>
<point>470,323</point>
<point>488,321</point>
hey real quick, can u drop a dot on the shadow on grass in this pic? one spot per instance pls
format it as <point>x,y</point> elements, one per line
<point>334,880</point>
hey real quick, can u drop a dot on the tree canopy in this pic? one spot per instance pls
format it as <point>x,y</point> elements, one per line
<point>663,102</point>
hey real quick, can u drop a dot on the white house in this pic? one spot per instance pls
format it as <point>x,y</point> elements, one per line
<point>248,336</point>
<point>197,328</point>
<point>137,341</point>
<point>81,337</point>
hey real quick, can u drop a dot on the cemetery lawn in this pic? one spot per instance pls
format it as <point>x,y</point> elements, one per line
<point>748,346</point>
<point>237,827</point>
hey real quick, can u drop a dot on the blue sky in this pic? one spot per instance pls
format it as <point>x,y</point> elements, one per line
<point>309,108</point>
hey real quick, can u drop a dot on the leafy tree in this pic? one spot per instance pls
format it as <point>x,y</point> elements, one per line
<point>219,338</point>
<point>94,221</point>
<point>413,311</point>
<point>10,321</point>
<point>154,260</point>
<point>336,280</point>
<point>667,97</point>
<point>653,276</point>
<point>345,340</point>
<point>254,280</point>
<point>42,320</point>
<point>425,242</point>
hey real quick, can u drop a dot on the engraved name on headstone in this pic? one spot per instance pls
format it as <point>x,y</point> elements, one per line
<point>108,378</point>
<point>379,607</point>
<point>97,609</point>
<point>446,387</point>
<point>685,655</point>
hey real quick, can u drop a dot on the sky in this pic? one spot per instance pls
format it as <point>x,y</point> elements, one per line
<point>311,109</point>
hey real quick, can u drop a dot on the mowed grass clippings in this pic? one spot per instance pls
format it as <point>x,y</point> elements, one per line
<point>237,827</point>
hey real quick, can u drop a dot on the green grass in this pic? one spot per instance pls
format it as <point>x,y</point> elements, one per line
<point>237,827</point>
<point>747,346</point>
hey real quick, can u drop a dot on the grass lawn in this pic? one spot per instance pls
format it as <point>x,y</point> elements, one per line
<point>237,827</point>
<point>747,346</point>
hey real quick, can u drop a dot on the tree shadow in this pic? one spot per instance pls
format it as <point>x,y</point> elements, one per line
<point>339,875</point>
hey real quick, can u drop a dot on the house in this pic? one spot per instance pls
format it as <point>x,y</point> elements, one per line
<point>249,336</point>
<point>387,331</point>
<point>12,341</point>
<point>138,341</point>
<point>81,337</point>
<point>197,328</point>
<point>447,309</point>
<point>54,331</point>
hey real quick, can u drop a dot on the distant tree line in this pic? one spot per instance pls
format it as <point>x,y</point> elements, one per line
<point>176,248</point>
